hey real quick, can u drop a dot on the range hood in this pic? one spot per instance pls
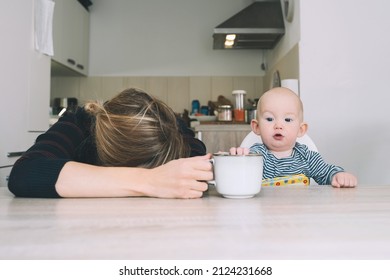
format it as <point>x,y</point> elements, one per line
<point>258,26</point>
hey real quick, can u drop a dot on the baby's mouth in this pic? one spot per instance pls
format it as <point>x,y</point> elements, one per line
<point>278,136</point>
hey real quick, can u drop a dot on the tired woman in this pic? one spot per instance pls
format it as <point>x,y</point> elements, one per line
<point>132,145</point>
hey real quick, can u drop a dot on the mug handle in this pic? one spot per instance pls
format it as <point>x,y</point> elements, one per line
<point>212,182</point>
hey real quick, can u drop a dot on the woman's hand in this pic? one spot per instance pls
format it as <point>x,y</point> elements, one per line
<point>181,178</point>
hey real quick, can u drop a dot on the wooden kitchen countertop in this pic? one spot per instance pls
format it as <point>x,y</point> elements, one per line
<point>315,222</point>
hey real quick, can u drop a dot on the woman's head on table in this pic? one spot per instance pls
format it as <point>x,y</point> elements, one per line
<point>136,129</point>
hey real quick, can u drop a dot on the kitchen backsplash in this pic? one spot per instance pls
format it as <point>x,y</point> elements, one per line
<point>177,92</point>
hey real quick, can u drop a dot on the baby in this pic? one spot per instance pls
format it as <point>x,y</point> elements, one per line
<point>279,123</point>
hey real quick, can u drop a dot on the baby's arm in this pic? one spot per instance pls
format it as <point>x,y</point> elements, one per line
<point>239,151</point>
<point>344,180</point>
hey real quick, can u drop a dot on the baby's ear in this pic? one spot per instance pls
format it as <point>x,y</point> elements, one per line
<point>255,126</point>
<point>303,129</point>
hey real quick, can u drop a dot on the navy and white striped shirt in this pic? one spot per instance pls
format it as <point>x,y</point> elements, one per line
<point>301,161</point>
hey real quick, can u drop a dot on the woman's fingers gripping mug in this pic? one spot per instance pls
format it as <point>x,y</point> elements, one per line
<point>237,176</point>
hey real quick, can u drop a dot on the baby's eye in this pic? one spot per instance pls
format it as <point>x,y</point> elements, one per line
<point>288,119</point>
<point>269,119</point>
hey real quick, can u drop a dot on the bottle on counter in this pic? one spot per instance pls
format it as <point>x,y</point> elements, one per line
<point>239,111</point>
<point>250,114</point>
<point>251,111</point>
<point>195,107</point>
<point>204,110</point>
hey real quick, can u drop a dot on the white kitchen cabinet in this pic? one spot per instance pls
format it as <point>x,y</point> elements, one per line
<point>71,35</point>
<point>25,83</point>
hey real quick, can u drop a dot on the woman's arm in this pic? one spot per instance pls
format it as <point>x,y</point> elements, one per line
<point>36,172</point>
<point>61,164</point>
<point>180,178</point>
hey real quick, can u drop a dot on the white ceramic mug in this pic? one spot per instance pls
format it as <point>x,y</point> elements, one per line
<point>237,176</point>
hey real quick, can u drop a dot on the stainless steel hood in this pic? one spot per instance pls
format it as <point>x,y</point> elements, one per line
<point>258,26</point>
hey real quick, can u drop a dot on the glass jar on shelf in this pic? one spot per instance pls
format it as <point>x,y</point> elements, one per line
<point>225,113</point>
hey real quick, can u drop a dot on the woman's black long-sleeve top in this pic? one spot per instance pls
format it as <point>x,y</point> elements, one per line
<point>36,172</point>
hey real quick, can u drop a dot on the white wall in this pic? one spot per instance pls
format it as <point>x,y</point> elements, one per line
<point>165,38</point>
<point>344,72</point>
<point>288,41</point>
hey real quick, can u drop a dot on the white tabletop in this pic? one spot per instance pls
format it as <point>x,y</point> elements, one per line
<point>316,222</point>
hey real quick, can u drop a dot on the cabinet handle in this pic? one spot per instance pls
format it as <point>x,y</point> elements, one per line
<point>81,67</point>
<point>14,154</point>
<point>71,61</point>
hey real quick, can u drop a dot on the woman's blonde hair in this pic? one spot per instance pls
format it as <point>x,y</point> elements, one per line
<point>135,129</point>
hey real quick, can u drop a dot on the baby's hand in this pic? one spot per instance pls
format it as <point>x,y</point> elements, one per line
<point>344,180</point>
<point>239,151</point>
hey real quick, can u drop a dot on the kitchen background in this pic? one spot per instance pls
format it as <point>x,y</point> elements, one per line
<point>337,49</point>
<point>165,48</point>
